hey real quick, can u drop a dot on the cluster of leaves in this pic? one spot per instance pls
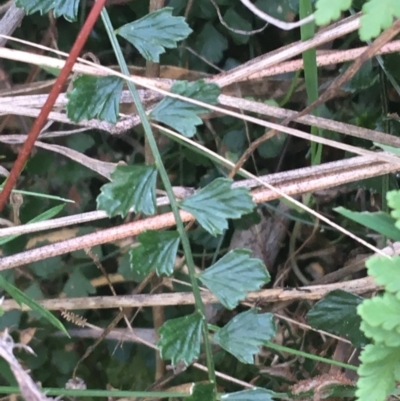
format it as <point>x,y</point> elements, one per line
<point>380,367</point>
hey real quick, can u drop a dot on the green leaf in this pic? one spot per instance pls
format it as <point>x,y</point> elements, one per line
<point>94,97</point>
<point>217,202</point>
<point>337,313</point>
<point>377,16</point>
<point>379,335</point>
<point>243,335</point>
<point>211,44</point>
<point>48,214</point>
<point>254,394</point>
<point>381,311</point>
<point>181,115</point>
<point>21,298</point>
<point>201,392</point>
<point>389,149</point>
<point>379,370</point>
<point>66,8</point>
<point>157,251</point>
<point>380,222</point>
<point>78,285</point>
<point>328,10</point>
<point>237,22</point>
<point>234,275</point>
<point>386,272</point>
<point>155,32</point>
<point>180,339</point>
<point>393,199</point>
<point>131,187</point>
<point>45,268</point>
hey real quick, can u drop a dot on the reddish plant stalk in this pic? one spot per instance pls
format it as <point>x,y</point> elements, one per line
<point>54,92</point>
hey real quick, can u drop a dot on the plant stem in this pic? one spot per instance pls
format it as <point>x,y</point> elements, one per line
<point>170,193</point>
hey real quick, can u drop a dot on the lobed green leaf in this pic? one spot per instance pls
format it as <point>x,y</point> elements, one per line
<point>131,187</point>
<point>157,251</point>
<point>181,115</point>
<point>234,275</point>
<point>155,32</point>
<point>94,97</point>
<point>245,333</point>
<point>381,311</point>
<point>66,8</point>
<point>217,202</point>
<point>386,271</point>
<point>180,339</point>
<point>254,394</point>
<point>328,10</point>
<point>377,16</point>
<point>378,372</point>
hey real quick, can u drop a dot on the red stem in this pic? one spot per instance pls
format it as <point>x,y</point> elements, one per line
<point>55,91</point>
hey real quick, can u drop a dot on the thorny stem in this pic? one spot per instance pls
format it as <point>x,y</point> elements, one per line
<point>174,206</point>
<point>54,92</point>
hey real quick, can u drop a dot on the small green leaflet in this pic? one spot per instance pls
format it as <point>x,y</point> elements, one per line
<point>48,214</point>
<point>201,392</point>
<point>78,285</point>
<point>393,199</point>
<point>217,202</point>
<point>211,44</point>
<point>243,335</point>
<point>377,16</point>
<point>337,313</point>
<point>155,32</point>
<point>157,251</point>
<point>379,335</point>
<point>381,311</point>
<point>378,372</point>
<point>234,275</point>
<point>328,10</point>
<point>386,272</point>
<point>254,394</point>
<point>22,298</point>
<point>94,97</point>
<point>66,8</point>
<point>131,187</point>
<point>181,115</point>
<point>180,339</point>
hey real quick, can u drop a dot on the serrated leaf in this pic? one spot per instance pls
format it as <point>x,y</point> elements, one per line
<point>254,394</point>
<point>328,10</point>
<point>381,311</point>
<point>201,392</point>
<point>94,97</point>
<point>155,32</point>
<point>393,200</point>
<point>379,370</point>
<point>211,44</point>
<point>386,271</point>
<point>157,251</point>
<point>181,115</point>
<point>234,275</point>
<point>22,298</point>
<point>180,339</point>
<point>217,202</point>
<point>244,334</point>
<point>390,338</point>
<point>66,8</point>
<point>380,222</point>
<point>78,285</point>
<point>237,22</point>
<point>377,16</point>
<point>45,268</point>
<point>337,313</point>
<point>131,187</point>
